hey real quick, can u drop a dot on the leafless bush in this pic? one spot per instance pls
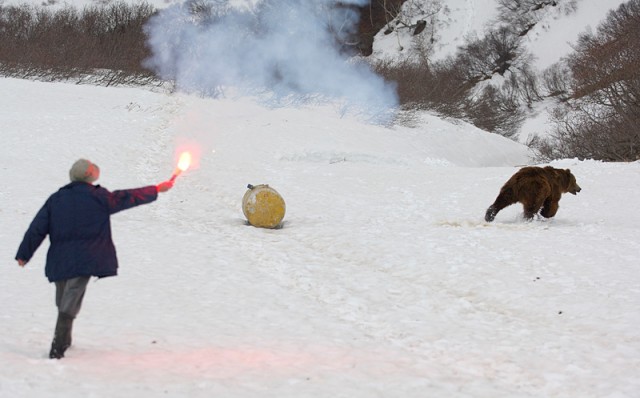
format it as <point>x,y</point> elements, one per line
<point>523,85</point>
<point>602,119</point>
<point>419,86</point>
<point>493,54</point>
<point>579,135</point>
<point>443,88</point>
<point>36,42</point>
<point>451,86</point>
<point>496,112</point>
<point>556,81</point>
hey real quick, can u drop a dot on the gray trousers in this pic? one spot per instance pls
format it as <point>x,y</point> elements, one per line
<point>69,295</point>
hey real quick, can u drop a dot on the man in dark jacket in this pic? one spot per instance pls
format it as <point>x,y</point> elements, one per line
<point>76,218</point>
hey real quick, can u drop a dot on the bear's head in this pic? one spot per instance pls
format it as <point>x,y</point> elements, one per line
<point>569,182</point>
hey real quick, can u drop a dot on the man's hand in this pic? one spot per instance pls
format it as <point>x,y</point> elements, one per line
<point>21,262</point>
<point>164,186</point>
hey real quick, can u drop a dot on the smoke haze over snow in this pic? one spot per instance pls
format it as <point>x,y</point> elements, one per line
<point>280,48</point>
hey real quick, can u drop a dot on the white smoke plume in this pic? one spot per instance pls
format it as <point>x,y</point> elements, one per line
<point>283,48</point>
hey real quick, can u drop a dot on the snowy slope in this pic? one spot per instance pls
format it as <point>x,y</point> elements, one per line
<point>384,281</point>
<point>548,41</point>
<point>552,39</point>
<point>449,26</point>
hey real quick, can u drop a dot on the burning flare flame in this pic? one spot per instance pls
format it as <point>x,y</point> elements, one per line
<point>183,164</point>
<point>185,161</point>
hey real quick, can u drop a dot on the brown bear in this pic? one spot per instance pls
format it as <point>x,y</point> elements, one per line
<point>535,188</point>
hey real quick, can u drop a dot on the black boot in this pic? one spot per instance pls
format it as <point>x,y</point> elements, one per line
<point>62,336</point>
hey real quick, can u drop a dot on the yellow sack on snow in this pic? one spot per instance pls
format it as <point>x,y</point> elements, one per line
<point>263,206</point>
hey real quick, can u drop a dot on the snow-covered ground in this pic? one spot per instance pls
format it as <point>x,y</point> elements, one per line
<point>384,281</point>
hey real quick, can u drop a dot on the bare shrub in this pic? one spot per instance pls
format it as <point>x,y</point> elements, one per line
<point>36,42</point>
<point>556,81</point>
<point>528,85</point>
<point>602,119</point>
<point>419,86</point>
<point>452,87</point>
<point>543,150</point>
<point>495,53</point>
<point>443,88</point>
<point>496,112</point>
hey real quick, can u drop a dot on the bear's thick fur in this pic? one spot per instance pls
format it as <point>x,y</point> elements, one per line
<point>535,188</point>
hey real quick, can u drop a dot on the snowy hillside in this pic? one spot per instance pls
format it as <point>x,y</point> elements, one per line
<point>384,281</point>
<point>555,31</point>
<point>207,58</point>
<point>548,41</point>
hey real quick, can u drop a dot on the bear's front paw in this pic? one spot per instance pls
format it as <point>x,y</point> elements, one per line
<point>547,212</point>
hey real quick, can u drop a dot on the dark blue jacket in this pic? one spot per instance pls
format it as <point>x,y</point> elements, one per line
<point>76,218</point>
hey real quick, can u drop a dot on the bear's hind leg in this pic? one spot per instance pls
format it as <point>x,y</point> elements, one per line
<point>504,199</point>
<point>490,215</point>
<point>528,214</point>
<point>549,209</point>
<point>531,208</point>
